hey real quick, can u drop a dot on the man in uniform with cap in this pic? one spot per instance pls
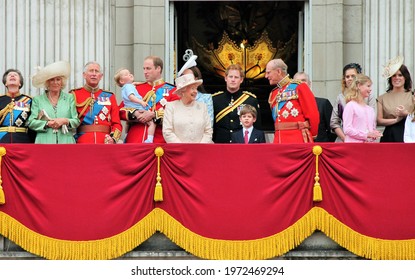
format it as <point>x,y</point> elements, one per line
<point>227,105</point>
<point>97,109</point>
<point>294,108</point>
<point>156,92</point>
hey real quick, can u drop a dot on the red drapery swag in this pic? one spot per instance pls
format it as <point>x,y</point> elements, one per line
<point>217,201</point>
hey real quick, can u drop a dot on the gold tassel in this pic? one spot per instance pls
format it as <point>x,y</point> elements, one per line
<point>158,192</point>
<point>2,196</point>
<point>317,192</point>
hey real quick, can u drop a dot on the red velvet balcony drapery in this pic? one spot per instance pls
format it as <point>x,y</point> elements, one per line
<point>219,201</point>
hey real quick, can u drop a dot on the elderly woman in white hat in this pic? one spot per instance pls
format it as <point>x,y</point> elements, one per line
<point>187,120</point>
<point>394,105</point>
<point>54,112</point>
<point>190,67</point>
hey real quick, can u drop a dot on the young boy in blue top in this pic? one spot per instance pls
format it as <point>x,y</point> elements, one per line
<point>132,98</point>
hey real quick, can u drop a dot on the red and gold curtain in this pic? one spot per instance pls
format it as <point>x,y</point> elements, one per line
<point>218,201</point>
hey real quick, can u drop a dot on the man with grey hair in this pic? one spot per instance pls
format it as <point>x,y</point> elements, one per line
<point>293,106</point>
<point>325,109</point>
<point>97,109</point>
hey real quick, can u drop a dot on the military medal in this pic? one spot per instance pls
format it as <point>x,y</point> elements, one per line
<point>165,92</point>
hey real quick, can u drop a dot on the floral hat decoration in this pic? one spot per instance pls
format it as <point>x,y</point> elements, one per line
<point>186,80</point>
<point>392,66</point>
<point>56,69</point>
<point>190,59</point>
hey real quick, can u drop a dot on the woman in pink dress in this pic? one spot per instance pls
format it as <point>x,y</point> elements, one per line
<point>359,119</point>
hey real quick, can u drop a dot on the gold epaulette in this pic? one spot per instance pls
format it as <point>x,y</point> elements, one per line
<point>217,93</point>
<point>128,109</point>
<point>249,93</point>
<point>72,90</point>
<point>296,81</point>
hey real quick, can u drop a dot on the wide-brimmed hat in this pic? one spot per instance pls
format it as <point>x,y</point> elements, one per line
<point>392,66</point>
<point>186,80</point>
<point>56,69</point>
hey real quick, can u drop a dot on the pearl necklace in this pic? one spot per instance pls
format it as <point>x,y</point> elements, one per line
<point>52,100</point>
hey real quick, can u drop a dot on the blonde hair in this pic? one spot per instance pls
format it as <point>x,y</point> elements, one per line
<point>117,76</point>
<point>353,93</point>
<point>64,82</point>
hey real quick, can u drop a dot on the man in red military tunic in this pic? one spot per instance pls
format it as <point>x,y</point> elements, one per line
<point>156,92</point>
<point>97,109</point>
<point>294,108</point>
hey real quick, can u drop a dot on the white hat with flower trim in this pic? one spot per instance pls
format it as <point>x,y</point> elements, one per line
<point>190,59</point>
<point>186,80</point>
<point>56,69</point>
<point>392,66</point>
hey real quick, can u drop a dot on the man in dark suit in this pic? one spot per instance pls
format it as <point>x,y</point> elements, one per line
<point>325,108</point>
<point>248,134</point>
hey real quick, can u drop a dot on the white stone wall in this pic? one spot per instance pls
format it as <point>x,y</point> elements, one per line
<point>121,33</point>
<point>337,41</point>
<point>39,32</point>
<point>139,32</point>
<point>389,30</point>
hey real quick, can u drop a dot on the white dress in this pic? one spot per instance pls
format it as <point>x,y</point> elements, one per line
<point>187,124</point>
<point>409,132</point>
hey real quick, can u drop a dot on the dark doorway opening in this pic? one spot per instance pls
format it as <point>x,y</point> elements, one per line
<point>202,26</point>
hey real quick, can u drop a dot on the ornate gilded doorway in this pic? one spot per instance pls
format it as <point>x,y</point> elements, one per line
<point>249,33</point>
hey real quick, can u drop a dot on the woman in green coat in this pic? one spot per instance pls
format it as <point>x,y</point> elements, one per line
<point>54,113</point>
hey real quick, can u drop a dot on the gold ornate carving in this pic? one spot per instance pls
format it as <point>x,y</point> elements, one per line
<point>253,59</point>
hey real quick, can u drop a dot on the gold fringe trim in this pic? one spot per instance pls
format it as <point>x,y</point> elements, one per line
<point>361,245</point>
<point>217,249</point>
<point>208,248</point>
<point>2,195</point>
<point>56,249</point>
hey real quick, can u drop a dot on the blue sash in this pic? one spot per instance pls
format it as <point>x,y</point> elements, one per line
<point>160,93</point>
<point>287,94</point>
<point>90,117</point>
<point>16,115</point>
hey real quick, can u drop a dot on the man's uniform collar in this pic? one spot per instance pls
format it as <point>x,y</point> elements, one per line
<point>286,80</point>
<point>157,82</point>
<point>91,89</point>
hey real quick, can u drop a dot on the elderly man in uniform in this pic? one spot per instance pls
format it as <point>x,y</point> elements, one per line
<point>227,105</point>
<point>97,109</point>
<point>156,92</point>
<point>294,108</point>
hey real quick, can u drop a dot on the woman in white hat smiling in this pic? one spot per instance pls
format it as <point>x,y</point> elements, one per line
<point>54,112</point>
<point>187,120</point>
<point>394,105</point>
